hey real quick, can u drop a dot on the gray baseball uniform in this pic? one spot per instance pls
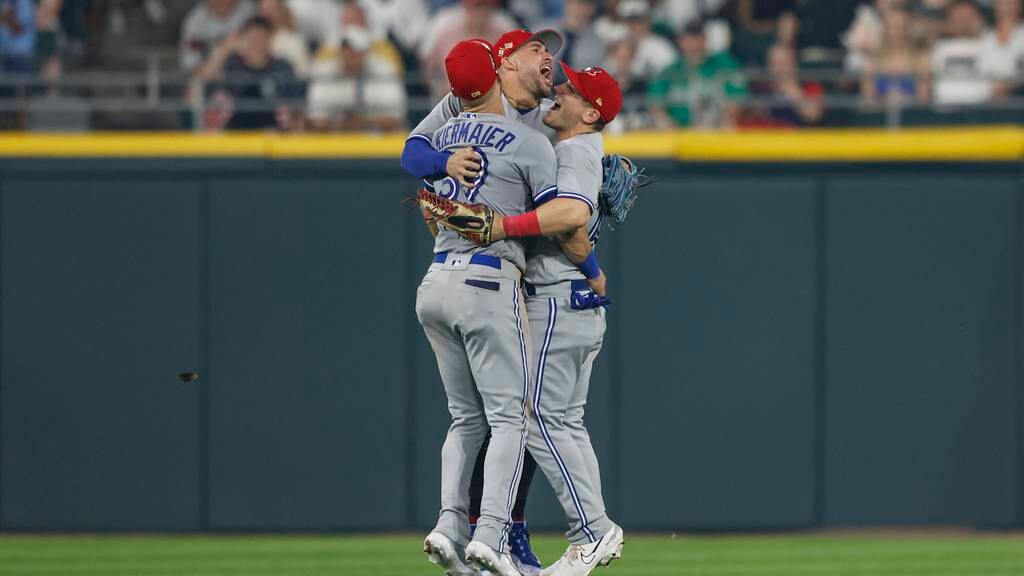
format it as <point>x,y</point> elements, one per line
<point>567,339</point>
<point>471,307</point>
<point>565,346</point>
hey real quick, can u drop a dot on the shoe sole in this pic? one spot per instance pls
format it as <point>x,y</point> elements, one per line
<point>434,555</point>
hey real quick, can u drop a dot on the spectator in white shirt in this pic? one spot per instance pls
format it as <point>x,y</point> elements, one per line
<point>357,87</point>
<point>1002,49</point>
<point>956,61</point>
<point>207,25</point>
<point>637,55</point>
<point>318,21</point>
<point>286,43</point>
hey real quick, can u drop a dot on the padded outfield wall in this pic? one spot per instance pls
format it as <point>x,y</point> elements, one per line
<point>816,329</point>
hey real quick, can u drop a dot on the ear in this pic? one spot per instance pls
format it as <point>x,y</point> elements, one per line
<point>591,115</point>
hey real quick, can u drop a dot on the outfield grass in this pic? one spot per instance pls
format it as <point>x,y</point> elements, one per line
<point>400,555</point>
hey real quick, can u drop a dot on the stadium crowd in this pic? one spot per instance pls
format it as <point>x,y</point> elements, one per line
<point>378,64</point>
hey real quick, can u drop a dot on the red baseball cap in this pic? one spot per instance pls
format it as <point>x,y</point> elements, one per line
<point>470,67</point>
<point>597,87</point>
<point>515,39</point>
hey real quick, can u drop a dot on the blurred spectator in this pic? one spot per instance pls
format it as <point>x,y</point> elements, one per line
<point>257,90</point>
<point>755,27</point>
<point>790,102</point>
<point>207,25</point>
<point>1002,49</point>
<point>582,47</point>
<point>318,21</point>
<point>956,61</point>
<point>469,19</point>
<point>357,86</point>
<point>897,71</point>
<point>690,91</point>
<point>392,18</point>
<point>286,43</point>
<point>18,36</point>
<point>678,13</point>
<point>637,55</point>
<point>815,27</point>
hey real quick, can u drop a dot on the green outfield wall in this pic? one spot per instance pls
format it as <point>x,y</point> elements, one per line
<point>792,345</point>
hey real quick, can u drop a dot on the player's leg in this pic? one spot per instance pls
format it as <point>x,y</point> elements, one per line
<point>497,341</point>
<point>476,485</point>
<point>609,546</point>
<point>519,536</point>
<point>574,419</point>
<point>563,338</point>
<point>446,543</point>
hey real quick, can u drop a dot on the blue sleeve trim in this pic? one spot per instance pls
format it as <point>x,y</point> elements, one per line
<point>545,194</point>
<point>428,185</point>
<point>579,197</point>
<point>421,160</point>
<point>590,268</point>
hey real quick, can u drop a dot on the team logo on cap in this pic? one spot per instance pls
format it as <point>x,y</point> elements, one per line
<point>592,71</point>
<point>599,102</point>
<point>501,51</point>
<point>475,94</point>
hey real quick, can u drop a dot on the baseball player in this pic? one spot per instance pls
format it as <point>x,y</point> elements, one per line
<point>562,307</point>
<point>471,306</point>
<point>525,70</point>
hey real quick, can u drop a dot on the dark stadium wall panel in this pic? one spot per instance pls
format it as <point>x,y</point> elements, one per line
<point>922,356</point>
<point>100,314</point>
<point>309,311</point>
<point>790,345</point>
<point>717,336</point>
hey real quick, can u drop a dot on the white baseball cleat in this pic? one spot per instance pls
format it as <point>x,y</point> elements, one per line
<point>581,559</point>
<point>442,551</point>
<point>482,557</point>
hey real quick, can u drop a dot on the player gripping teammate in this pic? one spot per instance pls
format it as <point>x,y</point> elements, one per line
<point>471,306</point>
<point>525,62</point>
<point>562,308</point>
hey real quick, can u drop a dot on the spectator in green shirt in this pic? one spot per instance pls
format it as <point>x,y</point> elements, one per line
<point>699,89</point>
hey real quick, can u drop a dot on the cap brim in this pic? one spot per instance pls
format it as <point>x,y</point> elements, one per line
<point>551,40</point>
<point>573,77</point>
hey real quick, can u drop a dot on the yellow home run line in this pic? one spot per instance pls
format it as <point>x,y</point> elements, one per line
<point>918,144</point>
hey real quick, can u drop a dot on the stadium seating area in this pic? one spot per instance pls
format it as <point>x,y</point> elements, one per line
<point>377,65</point>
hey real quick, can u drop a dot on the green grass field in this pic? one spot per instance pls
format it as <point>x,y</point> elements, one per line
<point>781,555</point>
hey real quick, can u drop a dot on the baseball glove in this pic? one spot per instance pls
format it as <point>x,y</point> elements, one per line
<point>621,181</point>
<point>471,221</point>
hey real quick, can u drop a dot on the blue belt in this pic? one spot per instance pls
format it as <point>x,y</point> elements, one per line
<point>574,286</point>
<point>478,259</point>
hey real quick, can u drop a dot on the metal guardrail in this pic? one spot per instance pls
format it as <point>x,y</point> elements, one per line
<point>157,92</point>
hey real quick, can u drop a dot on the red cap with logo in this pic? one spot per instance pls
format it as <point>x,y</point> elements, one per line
<point>515,39</point>
<point>470,67</point>
<point>597,87</point>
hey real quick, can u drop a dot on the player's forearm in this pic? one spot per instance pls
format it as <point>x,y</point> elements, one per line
<point>576,245</point>
<point>553,218</point>
<point>421,160</point>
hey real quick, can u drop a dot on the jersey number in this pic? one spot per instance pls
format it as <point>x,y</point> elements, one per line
<point>452,189</point>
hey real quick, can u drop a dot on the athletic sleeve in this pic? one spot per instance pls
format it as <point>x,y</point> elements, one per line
<point>536,161</point>
<point>579,174</point>
<point>418,156</point>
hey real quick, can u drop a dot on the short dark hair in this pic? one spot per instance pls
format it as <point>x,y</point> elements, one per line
<point>258,22</point>
<point>599,124</point>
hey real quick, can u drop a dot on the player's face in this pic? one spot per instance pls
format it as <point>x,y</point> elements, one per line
<point>535,66</point>
<point>568,109</point>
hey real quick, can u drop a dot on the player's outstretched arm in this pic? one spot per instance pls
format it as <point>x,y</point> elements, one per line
<point>554,218</point>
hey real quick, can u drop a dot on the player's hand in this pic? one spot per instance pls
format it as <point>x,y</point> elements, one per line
<point>464,165</point>
<point>599,285</point>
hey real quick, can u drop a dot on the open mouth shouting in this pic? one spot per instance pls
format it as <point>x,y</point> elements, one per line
<point>545,73</point>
